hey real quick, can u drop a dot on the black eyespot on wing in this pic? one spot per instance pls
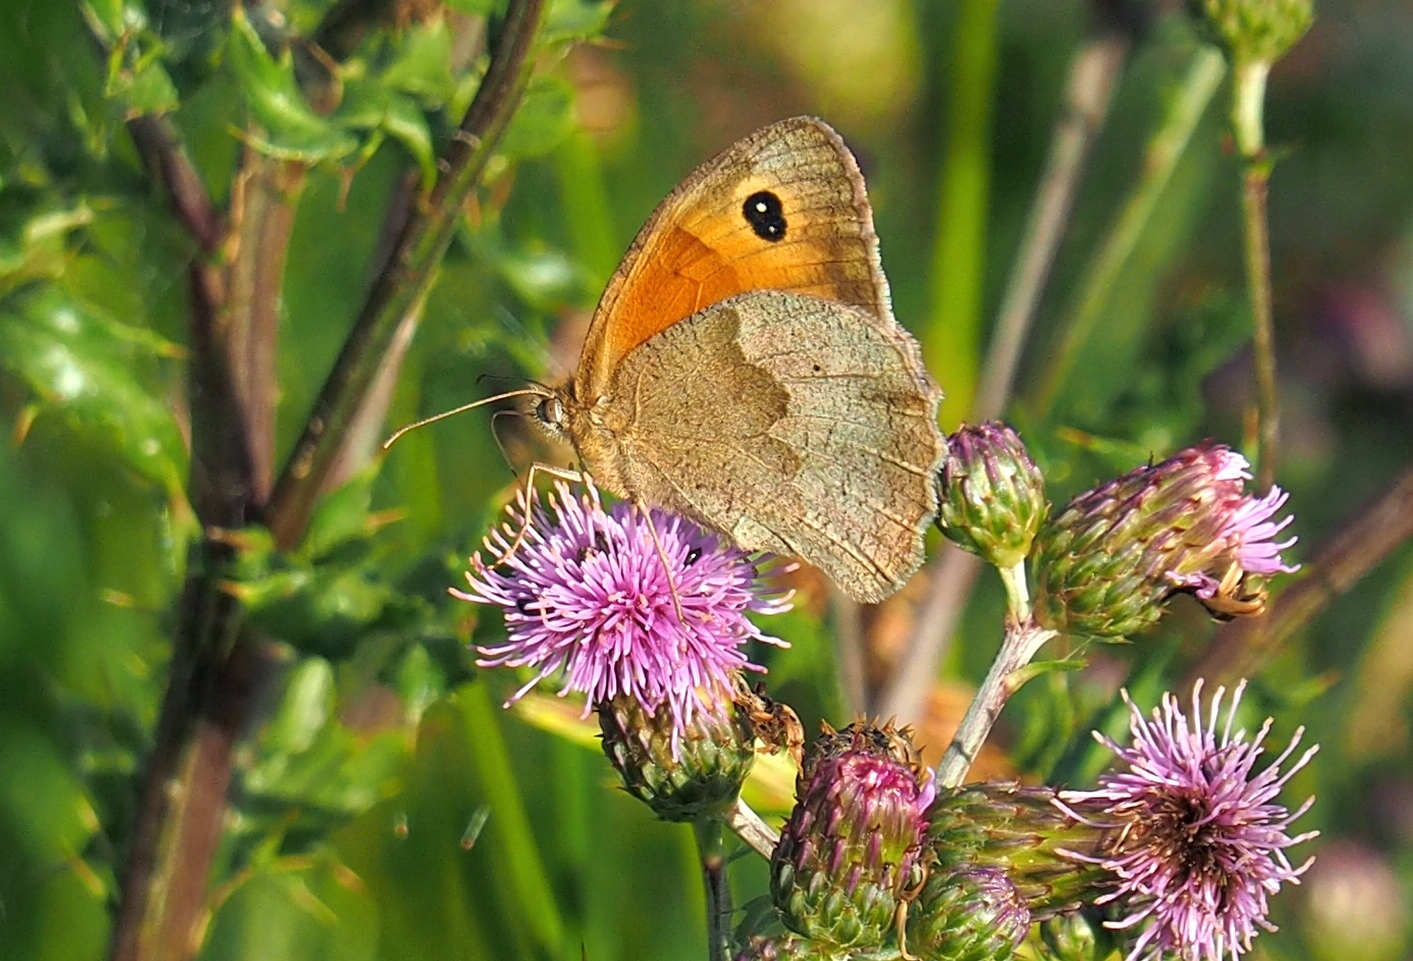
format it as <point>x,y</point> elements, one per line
<point>764,212</point>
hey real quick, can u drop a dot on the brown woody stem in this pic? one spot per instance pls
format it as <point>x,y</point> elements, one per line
<point>402,284</point>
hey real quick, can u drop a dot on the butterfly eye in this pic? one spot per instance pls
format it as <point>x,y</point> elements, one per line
<point>550,412</point>
<point>764,212</point>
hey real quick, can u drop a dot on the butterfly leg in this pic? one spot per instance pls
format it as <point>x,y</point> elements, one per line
<point>525,495</point>
<point>666,566</point>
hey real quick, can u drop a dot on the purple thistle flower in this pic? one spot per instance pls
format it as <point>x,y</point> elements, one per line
<point>1248,532</point>
<point>1107,564</point>
<point>586,594</point>
<point>1198,839</point>
<point>853,844</point>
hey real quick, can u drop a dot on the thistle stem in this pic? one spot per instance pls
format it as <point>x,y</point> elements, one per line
<point>1248,98</point>
<point>1021,643</point>
<point>718,888</point>
<point>1017,593</point>
<point>750,828</point>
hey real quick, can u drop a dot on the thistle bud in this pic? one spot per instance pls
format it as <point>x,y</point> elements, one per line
<point>1106,565</point>
<point>993,495</point>
<point>1019,831</point>
<point>1253,31</point>
<point>971,915</point>
<point>850,849</point>
<point>683,775</point>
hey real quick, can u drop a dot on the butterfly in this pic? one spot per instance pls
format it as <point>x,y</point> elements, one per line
<point>744,369</point>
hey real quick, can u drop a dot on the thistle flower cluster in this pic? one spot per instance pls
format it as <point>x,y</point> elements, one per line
<point>850,849</point>
<point>1183,842</point>
<point>993,495</point>
<point>1195,839</point>
<point>1179,846</point>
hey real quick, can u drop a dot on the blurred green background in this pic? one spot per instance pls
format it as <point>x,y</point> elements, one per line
<point>383,806</point>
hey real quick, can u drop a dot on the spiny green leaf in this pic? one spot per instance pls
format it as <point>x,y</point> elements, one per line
<point>77,367</point>
<point>370,105</point>
<point>421,66</point>
<point>292,130</point>
<point>576,19</point>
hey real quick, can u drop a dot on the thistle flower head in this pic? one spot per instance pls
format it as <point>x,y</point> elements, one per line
<point>587,593</point>
<point>974,914</point>
<point>682,775</point>
<point>1111,558</point>
<point>851,846</point>
<point>1198,837</point>
<point>993,495</point>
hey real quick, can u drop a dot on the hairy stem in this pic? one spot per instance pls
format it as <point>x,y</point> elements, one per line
<point>750,828</point>
<point>1021,643</point>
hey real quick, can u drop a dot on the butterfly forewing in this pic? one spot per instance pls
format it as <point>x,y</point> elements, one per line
<point>782,209</point>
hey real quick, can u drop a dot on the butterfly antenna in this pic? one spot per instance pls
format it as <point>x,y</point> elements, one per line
<point>495,435</point>
<point>536,391</point>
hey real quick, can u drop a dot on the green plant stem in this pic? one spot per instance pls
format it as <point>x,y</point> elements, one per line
<point>1021,643</point>
<point>264,206</point>
<point>409,273</point>
<point>1017,593</point>
<point>710,849</point>
<point>950,343</point>
<point>1248,98</point>
<point>1165,149</point>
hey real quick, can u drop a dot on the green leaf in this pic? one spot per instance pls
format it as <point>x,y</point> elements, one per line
<point>342,516</point>
<point>292,130</point>
<point>370,105</point>
<point>305,707</point>
<point>421,66</point>
<point>112,20</point>
<point>40,248</point>
<point>81,366</point>
<point>576,19</point>
<point>545,119</point>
